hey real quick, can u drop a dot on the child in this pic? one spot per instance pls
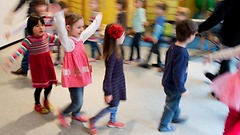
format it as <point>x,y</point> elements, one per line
<point>226,88</point>
<point>40,7</point>
<point>160,10</point>
<point>138,23</point>
<point>175,74</point>
<point>122,17</point>
<point>42,70</point>
<point>114,80</point>
<point>94,6</point>
<point>76,72</point>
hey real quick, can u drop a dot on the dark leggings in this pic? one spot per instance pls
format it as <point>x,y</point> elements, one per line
<point>155,50</point>
<point>38,91</point>
<point>135,43</point>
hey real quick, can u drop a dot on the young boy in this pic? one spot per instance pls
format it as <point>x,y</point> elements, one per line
<point>160,10</point>
<point>175,74</point>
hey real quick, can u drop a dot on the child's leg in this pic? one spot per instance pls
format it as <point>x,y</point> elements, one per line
<point>232,119</point>
<point>135,41</point>
<point>93,46</point>
<point>76,95</point>
<point>98,50</point>
<point>47,92</point>
<point>137,45</point>
<point>37,94</point>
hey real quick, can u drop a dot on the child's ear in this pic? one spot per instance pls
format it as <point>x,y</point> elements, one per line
<point>68,27</point>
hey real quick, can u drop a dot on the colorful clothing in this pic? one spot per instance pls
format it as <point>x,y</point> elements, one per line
<point>42,70</point>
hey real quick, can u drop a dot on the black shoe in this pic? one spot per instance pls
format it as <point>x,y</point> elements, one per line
<point>144,65</point>
<point>155,65</point>
<point>210,76</point>
<point>19,72</point>
<point>180,120</point>
<point>166,129</point>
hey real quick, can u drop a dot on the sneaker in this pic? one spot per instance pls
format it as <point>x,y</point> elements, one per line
<point>92,128</point>
<point>144,65</point>
<point>91,60</point>
<point>57,63</point>
<point>39,108</point>
<point>180,120</point>
<point>210,76</point>
<point>20,71</point>
<point>62,119</point>
<point>137,60</point>
<point>48,105</point>
<point>80,118</point>
<point>166,128</point>
<point>99,57</point>
<point>116,124</point>
<point>128,62</point>
<point>160,69</point>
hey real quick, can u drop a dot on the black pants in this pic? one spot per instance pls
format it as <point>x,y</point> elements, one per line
<point>135,43</point>
<point>224,66</point>
<point>38,91</point>
<point>155,50</point>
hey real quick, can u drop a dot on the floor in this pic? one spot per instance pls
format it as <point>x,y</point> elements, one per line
<point>141,112</point>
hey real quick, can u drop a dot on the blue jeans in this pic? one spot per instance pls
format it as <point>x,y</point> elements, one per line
<point>77,101</point>
<point>171,109</point>
<point>112,110</point>
<point>93,47</point>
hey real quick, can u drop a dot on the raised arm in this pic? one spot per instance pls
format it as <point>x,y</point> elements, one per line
<point>90,30</point>
<point>19,27</point>
<point>20,4</point>
<point>225,54</point>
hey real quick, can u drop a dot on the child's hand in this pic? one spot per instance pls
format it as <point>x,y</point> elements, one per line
<point>185,93</point>
<point>54,8</point>
<point>146,23</point>
<point>154,40</point>
<point>108,99</point>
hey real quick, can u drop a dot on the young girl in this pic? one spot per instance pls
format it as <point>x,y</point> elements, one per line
<point>138,23</point>
<point>76,72</point>
<point>114,80</point>
<point>226,88</point>
<point>42,70</point>
<point>94,6</point>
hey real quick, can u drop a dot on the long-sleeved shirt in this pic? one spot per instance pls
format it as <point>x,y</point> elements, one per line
<point>230,32</point>
<point>67,43</point>
<point>175,73</point>
<point>31,6</point>
<point>158,27</point>
<point>138,20</point>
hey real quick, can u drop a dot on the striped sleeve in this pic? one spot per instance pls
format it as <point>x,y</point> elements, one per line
<point>53,38</point>
<point>20,51</point>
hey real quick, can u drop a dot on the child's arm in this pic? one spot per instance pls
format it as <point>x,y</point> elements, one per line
<point>91,29</point>
<point>20,52</point>
<point>67,43</point>
<point>224,54</point>
<point>158,30</point>
<point>179,72</point>
<point>107,84</point>
<point>143,17</point>
<point>16,29</point>
<point>53,38</point>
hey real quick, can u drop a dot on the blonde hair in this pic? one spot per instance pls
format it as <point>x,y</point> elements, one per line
<point>183,11</point>
<point>72,17</point>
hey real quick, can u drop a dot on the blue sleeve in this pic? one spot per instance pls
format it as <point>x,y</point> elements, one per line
<point>107,83</point>
<point>158,28</point>
<point>180,72</point>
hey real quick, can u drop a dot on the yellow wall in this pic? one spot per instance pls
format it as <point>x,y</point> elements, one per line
<point>191,5</point>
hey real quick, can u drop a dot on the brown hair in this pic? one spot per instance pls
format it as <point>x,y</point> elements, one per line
<point>72,17</point>
<point>185,29</point>
<point>110,45</point>
<point>161,5</point>
<point>39,2</point>
<point>62,4</point>
<point>183,11</point>
<point>123,3</point>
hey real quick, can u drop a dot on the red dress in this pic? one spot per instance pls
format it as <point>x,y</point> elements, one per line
<point>41,65</point>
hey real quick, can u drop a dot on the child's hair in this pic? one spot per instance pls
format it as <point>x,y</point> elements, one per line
<point>161,5</point>
<point>112,33</point>
<point>123,3</point>
<point>183,11</point>
<point>72,17</point>
<point>144,3</point>
<point>33,21</point>
<point>62,4</point>
<point>185,29</point>
<point>39,2</point>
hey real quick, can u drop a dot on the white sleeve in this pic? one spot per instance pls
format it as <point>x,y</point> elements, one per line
<point>19,27</point>
<point>66,42</point>
<point>143,16</point>
<point>225,53</point>
<point>91,29</point>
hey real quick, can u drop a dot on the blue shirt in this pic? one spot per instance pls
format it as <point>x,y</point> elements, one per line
<point>158,27</point>
<point>175,73</point>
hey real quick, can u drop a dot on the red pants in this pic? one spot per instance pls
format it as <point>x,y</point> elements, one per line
<point>232,125</point>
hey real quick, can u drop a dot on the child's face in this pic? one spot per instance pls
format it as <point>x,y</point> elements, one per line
<point>76,29</point>
<point>159,11</point>
<point>191,38</point>
<point>121,39</point>
<point>38,29</point>
<point>118,6</point>
<point>41,9</point>
<point>138,4</point>
<point>93,5</point>
<point>180,17</point>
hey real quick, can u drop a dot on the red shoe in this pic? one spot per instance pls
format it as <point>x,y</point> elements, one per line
<point>41,109</point>
<point>47,105</point>
<point>116,124</point>
<point>80,118</point>
<point>62,119</point>
<point>92,128</point>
